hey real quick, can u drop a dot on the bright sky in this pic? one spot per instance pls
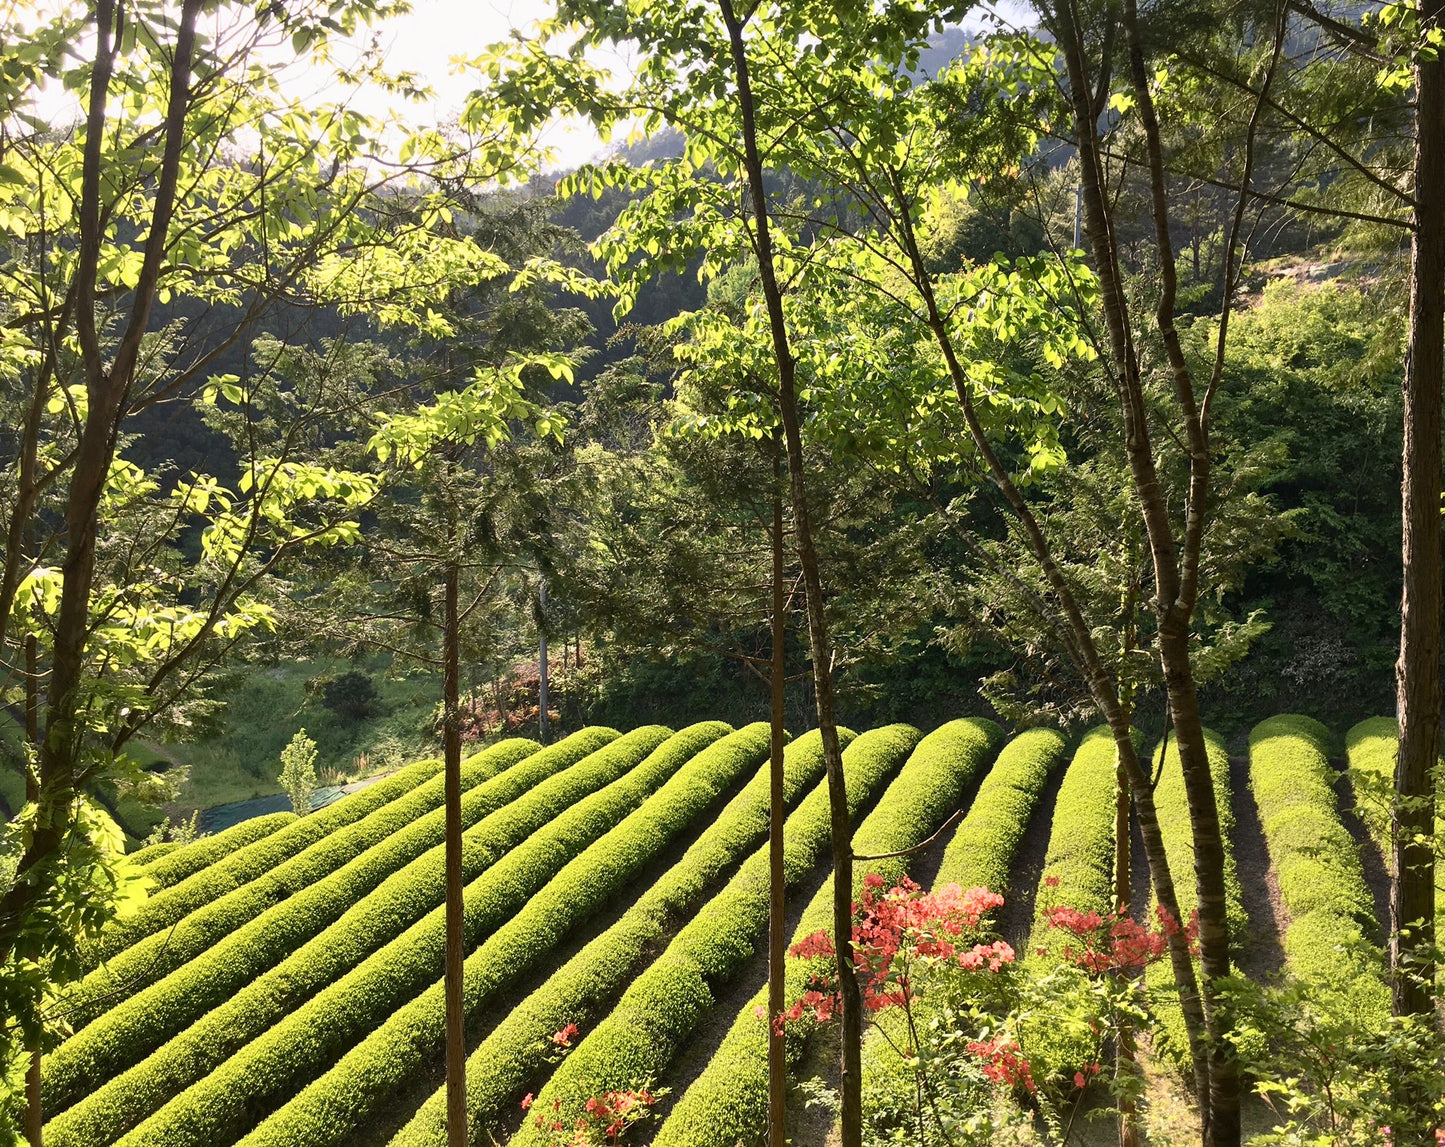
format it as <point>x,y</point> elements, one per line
<point>426,40</point>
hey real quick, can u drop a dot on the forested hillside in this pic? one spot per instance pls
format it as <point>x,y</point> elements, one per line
<point>1050,393</point>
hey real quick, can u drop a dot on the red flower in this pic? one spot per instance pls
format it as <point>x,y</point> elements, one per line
<point>563,1038</point>
<point>526,1101</point>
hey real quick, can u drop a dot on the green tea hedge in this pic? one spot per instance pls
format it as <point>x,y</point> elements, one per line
<point>982,849</point>
<point>336,1106</point>
<point>217,900</point>
<point>516,1051</point>
<point>1372,747</point>
<point>981,852</point>
<point>662,1006</point>
<point>1081,842</point>
<point>264,857</point>
<point>1171,805</point>
<point>287,1055</point>
<point>227,994</point>
<point>151,853</point>
<point>1331,938</point>
<point>176,865</point>
<point>728,1102</point>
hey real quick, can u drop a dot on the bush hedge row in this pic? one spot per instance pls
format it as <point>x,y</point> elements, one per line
<point>176,865</point>
<point>1081,841</point>
<point>333,1108</point>
<point>1331,936</point>
<point>268,855</point>
<point>1171,805</point>
<point>509,1059</point>
<point>149,854</point>
<point>728,1102</point>
<point>1372,747</point>
<point>1081,858</point>
<point>665,1003</point>
<point>981,852</point>
<point>227,995</point>
<point>982,849</point>
<point>284,1058</point>
<point>222,902</point>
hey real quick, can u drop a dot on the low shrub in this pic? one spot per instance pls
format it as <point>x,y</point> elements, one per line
<point>1078,872</point>
<point>149,854</point>
<point>1079,865</point>
<point>334,1107</point>
<point>664,1004</point>
<point>175,866</point>
<point>729,1101</point>
<point>228,994</point>
<point>1171,806</point>
<point>517,1049</point>
<point>1372,747</point>
<point>293,1051</point>
<point>1330,939</point>
<point>982,849</point>
<point>980,853</point>
<point>296,857</point>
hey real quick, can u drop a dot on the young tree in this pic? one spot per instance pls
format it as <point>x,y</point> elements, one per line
<point>298,772</point>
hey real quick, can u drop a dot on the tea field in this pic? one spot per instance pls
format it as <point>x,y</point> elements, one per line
<point>281,984</point>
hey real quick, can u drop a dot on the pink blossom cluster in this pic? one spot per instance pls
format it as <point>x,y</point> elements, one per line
<point>607,1115</point>
<point>1003,1062</point>
<point>921,925</point>
<point>1113,941</point>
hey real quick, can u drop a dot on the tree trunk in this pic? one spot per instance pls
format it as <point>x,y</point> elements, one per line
<point>106,392</point>
<point>1417,672</point>
<point>542,661</point>
<point>777,879</point>
<point>452,763</point>
<point>850,1081</point>
<point>34,1113</point>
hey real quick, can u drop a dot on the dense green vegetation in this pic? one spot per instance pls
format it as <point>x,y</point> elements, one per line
<point>1072,367</point>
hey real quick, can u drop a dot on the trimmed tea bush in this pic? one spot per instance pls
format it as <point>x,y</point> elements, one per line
<point>175,866</point>
<point>224,993</point>
<point>274,1066</point>
<point>150,853</point>
<point>1331,936</point>
<point>982,849</point>
<point>264,857</point>
<point>1171,804</point>
<point>662,1006</point>
<point>1081,843</point>
<point>516,1050</point>
<point>729,1101</point>
<point>981,852</point>
<point>332,1108</point>
<point>224,902</point>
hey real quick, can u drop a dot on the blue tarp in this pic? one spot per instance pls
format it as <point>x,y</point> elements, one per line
<point>225,815</point>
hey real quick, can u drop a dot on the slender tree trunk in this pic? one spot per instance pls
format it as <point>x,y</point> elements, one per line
<point>1083,652</point>
<point>1126,1061</point>
<point>850,1081</point>
<point>452,763</point>
<point>777,879</point>
<point>1175,568</point>
<point>34,1111</point>
<point>107,387</point>
<point>542,661</point>
<point>34,1119</point>
<point>1417,672</point>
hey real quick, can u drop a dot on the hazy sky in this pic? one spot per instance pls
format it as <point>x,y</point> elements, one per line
<point>426,40</point>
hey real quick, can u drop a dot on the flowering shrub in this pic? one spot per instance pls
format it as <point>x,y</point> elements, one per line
<point>972,1012</point>
<point>605,1122</point>
<point>606,1118</point>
